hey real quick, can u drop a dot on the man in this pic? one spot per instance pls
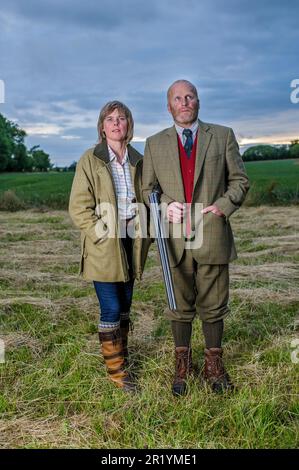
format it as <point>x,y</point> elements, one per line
<point>195,162</point>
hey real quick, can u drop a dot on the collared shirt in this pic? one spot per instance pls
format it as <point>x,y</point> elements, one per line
<point>193,128</point>
<point>125,193</point>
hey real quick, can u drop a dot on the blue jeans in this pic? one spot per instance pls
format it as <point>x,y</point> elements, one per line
<point>115,297</point>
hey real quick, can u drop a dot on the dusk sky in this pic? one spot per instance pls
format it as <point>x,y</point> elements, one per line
<point>61,61</point>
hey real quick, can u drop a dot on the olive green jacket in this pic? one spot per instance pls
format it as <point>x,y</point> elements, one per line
<point>93,208</point>
<point>220,178</point>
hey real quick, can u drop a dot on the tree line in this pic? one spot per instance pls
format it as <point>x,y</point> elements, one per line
<point>14,155</point>
<point>270,152</point>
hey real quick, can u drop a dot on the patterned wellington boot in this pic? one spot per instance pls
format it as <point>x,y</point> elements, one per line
<point>112,349</point>
<point>125,326</point>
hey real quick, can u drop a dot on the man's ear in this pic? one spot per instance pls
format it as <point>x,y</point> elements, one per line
<point>168,108</point>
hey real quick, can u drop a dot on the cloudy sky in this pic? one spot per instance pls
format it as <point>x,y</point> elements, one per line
<point>61,61</point>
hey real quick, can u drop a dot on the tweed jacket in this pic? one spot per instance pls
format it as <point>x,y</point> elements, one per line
<point>93,209</point>
<point>220,178</point>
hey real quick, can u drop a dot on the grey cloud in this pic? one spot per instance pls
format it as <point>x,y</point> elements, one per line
<point>92,14</point>
<point>63,60</point>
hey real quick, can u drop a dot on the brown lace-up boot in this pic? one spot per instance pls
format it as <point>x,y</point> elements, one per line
<point>214,371</point>
<point>112,349</point>
<point>183,366</point>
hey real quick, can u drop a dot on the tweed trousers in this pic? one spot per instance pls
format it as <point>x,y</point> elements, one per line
<point>201,289</point>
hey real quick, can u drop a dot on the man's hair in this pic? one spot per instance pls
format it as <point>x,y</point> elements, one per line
<point>186,82</point>
<point>107,109</point>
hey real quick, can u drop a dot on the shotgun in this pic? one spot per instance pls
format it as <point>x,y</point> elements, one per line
<point>154,199</point>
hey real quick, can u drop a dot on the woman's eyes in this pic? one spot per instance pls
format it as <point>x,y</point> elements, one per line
<point>121,118</point>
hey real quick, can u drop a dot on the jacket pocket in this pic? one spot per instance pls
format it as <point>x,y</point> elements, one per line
<point>213,158</point>
<point>219,218</point>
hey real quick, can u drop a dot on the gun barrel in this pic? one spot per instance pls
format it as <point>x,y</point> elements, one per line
<point>154,199</point>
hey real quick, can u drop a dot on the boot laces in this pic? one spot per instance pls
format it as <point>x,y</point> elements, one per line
<point>216,366</point>
<point>182,364</point>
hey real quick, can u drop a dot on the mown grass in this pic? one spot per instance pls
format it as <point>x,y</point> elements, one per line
<point>54,390</point>
<point>272,182</point>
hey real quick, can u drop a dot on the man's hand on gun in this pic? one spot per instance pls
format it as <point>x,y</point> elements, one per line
<point>175,212</point>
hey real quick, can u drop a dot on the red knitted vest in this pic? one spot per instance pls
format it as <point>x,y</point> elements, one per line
<point>187,168</point>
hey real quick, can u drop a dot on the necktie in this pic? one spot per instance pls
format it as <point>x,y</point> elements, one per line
<point>189,141</point>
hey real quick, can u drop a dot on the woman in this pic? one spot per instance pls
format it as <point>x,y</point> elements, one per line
<point>103,204</point>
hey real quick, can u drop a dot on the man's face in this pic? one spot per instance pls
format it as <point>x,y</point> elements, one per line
<point>183,104</point>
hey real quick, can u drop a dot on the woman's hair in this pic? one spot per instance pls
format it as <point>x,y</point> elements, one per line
<point>108,109</point>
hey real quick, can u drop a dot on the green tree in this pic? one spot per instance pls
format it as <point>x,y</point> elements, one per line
<point>11,143</point>
<point>40,159</point>
<point>19,160</point>
<point>261,152</point>
<point>294,150</point>
<point>6,148</point>
<point>14,155</point>
<point>283,152</point>
<point>72,166</point>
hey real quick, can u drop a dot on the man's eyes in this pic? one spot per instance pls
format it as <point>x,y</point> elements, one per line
<point>188,97</point>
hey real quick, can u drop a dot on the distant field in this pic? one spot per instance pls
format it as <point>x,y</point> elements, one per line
<point>272,182</point>
<point>36,189</point>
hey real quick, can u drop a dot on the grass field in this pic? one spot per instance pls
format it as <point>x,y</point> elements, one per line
<point>273,182</point>
<point>50,189</point>
<point>53,387</point>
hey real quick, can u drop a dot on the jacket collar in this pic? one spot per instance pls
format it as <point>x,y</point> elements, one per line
<point>201,126</point>
<point>204,138</point>
<point>101,152</point>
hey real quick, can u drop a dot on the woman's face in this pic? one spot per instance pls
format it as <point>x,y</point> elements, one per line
<point>115,126</point>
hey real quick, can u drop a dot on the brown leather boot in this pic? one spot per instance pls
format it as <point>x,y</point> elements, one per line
<point>124,331</point>
<point>112,350</point>
<point>214,371</point>
<point>183,366</point>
